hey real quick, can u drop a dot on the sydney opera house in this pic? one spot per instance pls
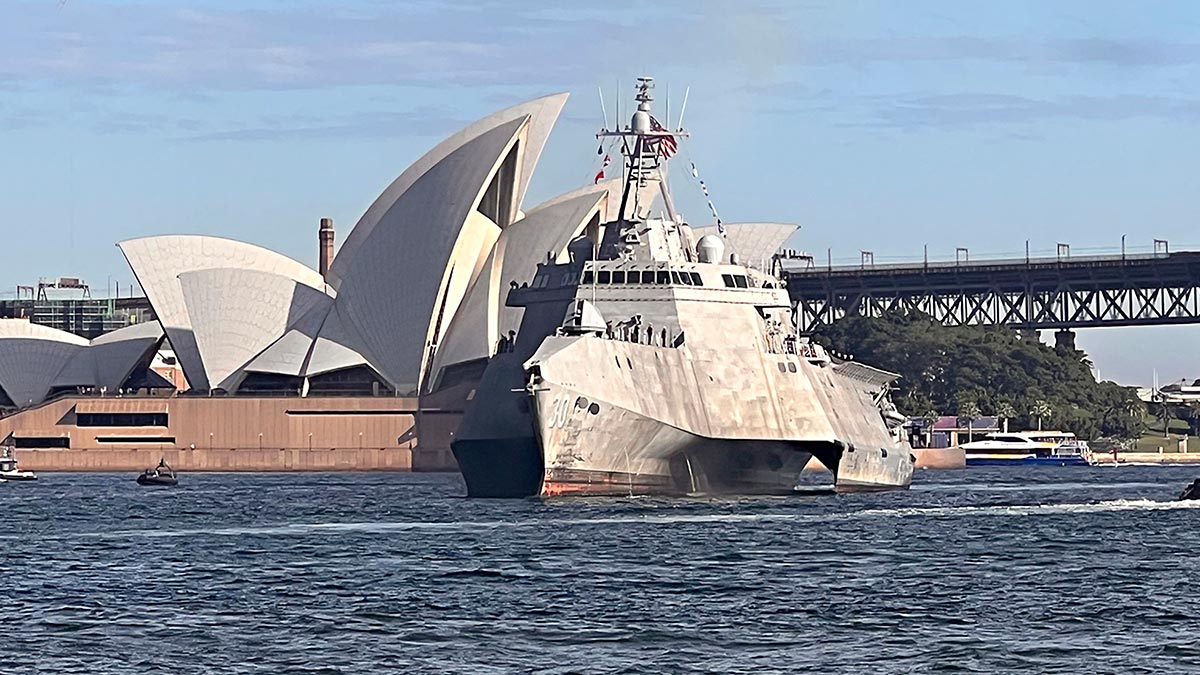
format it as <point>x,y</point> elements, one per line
<point>364,363</point>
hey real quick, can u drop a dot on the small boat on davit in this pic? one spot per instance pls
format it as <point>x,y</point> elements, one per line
<point>162,474</point>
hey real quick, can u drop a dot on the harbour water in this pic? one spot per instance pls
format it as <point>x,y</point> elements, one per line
<point>989,570</point>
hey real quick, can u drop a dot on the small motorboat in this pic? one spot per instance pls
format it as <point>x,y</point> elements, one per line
<point>162,474</point>
<point>8,466</point>
<point>1192,491</point>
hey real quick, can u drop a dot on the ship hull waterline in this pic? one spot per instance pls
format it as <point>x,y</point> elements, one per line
<point>632,455</point>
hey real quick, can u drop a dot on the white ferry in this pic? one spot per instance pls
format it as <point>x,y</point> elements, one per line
<point>1051,448</point>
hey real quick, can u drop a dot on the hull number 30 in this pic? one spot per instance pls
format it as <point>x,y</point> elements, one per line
<point>560,412</point>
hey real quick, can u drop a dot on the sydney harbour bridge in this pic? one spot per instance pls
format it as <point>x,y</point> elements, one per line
<point>1060,292</point>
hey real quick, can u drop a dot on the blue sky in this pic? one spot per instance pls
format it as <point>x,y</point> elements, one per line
<point>875,125</point>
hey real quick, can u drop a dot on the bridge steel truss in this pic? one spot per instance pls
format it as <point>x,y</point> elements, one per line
<point>1058,293</point>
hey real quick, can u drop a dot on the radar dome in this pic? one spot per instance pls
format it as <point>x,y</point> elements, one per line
<point>710,248</point>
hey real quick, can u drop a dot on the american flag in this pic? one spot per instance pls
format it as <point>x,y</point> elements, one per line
<point>667,145</point>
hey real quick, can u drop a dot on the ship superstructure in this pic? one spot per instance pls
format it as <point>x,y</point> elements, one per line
<point>650,362</point>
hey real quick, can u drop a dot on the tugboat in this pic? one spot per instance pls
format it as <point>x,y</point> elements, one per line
<point>8,465</point>
<point>162,474</point>
<point>654,363</point>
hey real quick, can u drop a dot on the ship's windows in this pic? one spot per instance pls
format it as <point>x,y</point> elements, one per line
<point>740,281</point>
<point>594,408</point>
<point>647,276</point>
<point>587,278</point>
<point>728,279</point>
<point>685,278</point>
<point>581,403</point>
<point>791,367</point>
<point>618,277</point>
<point>662,277</point>
<point>696,280</point>
<point>883,452</point>
<point>605,277</point>
<point>782,368</point>
<point>634,277</point>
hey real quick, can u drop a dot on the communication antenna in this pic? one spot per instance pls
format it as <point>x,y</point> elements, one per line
<point>683,108</point>
<point>603,111</point>
<point>618,119</point>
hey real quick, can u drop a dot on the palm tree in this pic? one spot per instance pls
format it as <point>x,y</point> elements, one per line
<point>968,410</point>
<point>1005,411</point>
<point>1040,410</point>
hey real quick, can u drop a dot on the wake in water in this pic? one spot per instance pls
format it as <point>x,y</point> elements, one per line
<point>969,511</point>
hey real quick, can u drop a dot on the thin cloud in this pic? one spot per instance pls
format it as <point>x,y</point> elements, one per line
<point>422,121</point>
<point>975,110</point>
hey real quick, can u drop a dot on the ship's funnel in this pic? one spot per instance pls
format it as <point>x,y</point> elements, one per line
<point>710,248</point>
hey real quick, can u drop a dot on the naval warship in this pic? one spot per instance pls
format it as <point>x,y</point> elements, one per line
<point>653,363</point>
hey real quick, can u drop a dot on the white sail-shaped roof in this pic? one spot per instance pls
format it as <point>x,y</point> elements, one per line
<point>542,114</point>
<point>544,232</point>
<point>411,271</point>
<point>115,354</point>
<point>31,357</point>
<point>400,277</point>
<point>237,313</point>
<point>157,262</point>
<point>34,358</point>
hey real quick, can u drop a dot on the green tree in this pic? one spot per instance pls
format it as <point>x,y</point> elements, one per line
<point>1040,410</point>
<point>1005,411</point>
<point>990,365</point>
<point>967,409</point>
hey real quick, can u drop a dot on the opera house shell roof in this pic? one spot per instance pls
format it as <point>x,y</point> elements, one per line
<point>417,287</point>
<point>37,361</point>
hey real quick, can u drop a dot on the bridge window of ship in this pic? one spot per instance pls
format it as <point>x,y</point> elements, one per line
<point>605,277</point>
<point>634,277</point>
<point>728,279</point>
<point>696,280</point>
<point>664,277</point>
<point>740,281</point>
<point>618,277</point>
<point>587,278</point>
<point>675,278</point>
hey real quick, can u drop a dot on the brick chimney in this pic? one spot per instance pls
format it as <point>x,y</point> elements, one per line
<point>325,246</point>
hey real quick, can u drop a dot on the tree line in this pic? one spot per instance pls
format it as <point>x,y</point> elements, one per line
<point>973,371</point>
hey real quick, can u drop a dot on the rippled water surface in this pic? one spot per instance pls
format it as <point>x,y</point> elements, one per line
<point>1030,570</point>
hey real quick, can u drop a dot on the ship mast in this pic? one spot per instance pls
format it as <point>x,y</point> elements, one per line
<point>644,146</point>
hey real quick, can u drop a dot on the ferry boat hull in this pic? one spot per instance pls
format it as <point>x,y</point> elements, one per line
<point>1027,461</point>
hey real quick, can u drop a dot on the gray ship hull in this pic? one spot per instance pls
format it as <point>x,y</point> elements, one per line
<point>613,433</point>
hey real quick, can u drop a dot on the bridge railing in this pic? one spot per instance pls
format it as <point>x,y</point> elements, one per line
<point>805,265</point>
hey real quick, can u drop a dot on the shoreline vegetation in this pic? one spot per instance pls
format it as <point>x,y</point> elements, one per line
<point>971,371</point>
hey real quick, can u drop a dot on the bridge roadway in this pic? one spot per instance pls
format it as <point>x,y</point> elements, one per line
<point>1051,293</point>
